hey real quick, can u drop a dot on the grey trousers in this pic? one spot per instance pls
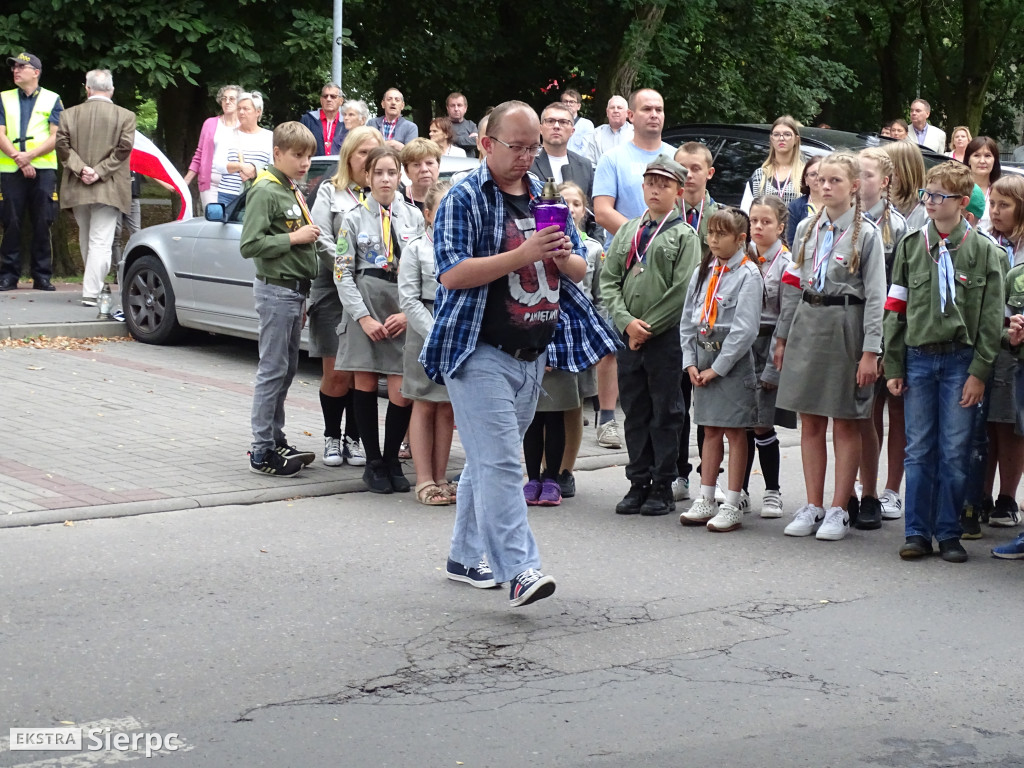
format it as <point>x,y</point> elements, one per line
<point>280,314</point>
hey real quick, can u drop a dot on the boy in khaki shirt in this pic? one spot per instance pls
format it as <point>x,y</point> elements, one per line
<point>944,319</point>
<point>643,284</point>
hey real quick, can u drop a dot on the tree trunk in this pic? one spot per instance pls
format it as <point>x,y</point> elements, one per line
<point>887,55</point>
<point>632,52</point>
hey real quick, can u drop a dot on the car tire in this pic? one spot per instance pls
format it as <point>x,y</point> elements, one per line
<point>147,300</point>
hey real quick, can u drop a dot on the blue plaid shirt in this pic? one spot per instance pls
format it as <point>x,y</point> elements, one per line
<point>470,222</point>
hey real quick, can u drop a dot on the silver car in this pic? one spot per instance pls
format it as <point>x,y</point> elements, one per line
<point>190,274</point>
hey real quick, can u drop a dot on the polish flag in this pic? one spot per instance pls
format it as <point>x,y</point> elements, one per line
<point>148,160</point>
<point>896,301</point>
<point>789,277</point>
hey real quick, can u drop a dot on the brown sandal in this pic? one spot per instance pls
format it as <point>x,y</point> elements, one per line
<point>429,494</point>
<point>448,489</point>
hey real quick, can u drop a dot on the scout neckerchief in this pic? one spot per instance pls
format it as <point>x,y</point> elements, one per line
<point>635,254</point>
<point>694,216</point>
<point>947,279</point>
<point>819,265</point>
<point>360,199</point>
<point>385,236</point>
<point>266,174</point>
<point>1008,246</point>
<point>710,312</point>
<point>764,259</point>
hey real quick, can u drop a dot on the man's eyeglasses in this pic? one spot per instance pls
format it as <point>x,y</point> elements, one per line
<point>786,135</point>
<point>569,101</point>
<point>553,121</point>
<point>330,96</point>
<point>533,150</point>
<point>934,197</point>
<point>16,67</point>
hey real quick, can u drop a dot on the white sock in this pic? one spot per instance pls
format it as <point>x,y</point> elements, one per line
<point>708,492</point>
<point>732,498</point>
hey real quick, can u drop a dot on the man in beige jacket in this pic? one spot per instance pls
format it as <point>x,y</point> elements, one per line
<point>94,143</point>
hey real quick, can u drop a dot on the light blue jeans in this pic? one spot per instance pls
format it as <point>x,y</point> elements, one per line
<point>494,397</point>
<point>938,442</point>
<point>280,315</point>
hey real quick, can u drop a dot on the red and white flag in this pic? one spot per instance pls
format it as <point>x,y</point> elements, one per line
<point>148,160</point>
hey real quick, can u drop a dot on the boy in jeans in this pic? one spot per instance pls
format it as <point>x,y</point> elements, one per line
<point>278,235</point>
<point>944,319</point>
<point>643,283</point>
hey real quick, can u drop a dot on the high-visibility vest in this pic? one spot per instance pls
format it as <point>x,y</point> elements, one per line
<point>38,129</point>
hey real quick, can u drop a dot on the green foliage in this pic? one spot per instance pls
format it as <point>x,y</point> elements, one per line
<point>145,117</point>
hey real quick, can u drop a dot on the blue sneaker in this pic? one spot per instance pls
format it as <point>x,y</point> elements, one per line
<point>529,586</point>
<point>1012,551</point>
<point>481,577</point>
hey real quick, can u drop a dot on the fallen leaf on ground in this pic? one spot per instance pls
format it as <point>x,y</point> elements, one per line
<point>69,524</point>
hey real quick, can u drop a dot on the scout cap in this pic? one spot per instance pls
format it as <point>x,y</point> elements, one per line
<point>977,204</point>
<point>663,165</point>
<point>25,58</point>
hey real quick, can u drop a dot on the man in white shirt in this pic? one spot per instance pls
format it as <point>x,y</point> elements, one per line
<point>555,161</point>
<point>927,136</point>
<point>582,126</point>
<point>618,130</point>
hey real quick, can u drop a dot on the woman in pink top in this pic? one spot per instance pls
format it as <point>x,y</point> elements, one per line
<point>210,159</point>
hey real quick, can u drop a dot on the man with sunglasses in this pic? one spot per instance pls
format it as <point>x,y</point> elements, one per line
<point>509,306</point>
<point>29,116</point>
<point>325,123</point>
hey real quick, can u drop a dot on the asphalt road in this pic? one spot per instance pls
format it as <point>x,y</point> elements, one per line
<point>322,632</point>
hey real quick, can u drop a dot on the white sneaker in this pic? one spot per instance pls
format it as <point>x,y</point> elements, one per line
<point>681,488</point>
<point>771,504</point>
<point>332,452</point>
<point>836,525</point>
<point>744,506</point>
<point>729,518</point>
<point>353,452</point>
<point>719,494</point>
<point>608,435</point>
<point>892,505</point>
<point>699,512</point>
<point>805,521</point>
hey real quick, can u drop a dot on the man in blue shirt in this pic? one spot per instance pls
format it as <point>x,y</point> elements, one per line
<point>507,306</point>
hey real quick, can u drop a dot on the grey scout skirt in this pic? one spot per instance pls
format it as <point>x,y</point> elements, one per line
<point>728,401</point>
<point>361,354</point>
<point>768,415</point>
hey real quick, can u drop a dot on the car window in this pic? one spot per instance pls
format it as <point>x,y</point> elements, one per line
<point>735,161</point>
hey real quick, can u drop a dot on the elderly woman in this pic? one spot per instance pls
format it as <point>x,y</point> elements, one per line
<point>250,148</point>
<point>354,113</point>
<point>210,160</point>
<point>443,134</point>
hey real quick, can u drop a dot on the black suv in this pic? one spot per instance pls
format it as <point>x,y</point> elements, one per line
<point>738,150</point>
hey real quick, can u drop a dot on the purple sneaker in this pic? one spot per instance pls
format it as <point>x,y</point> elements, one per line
<point>550,494</point>
<point>532,492</point>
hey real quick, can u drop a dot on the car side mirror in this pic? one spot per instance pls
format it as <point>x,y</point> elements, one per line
<point>215,212</point>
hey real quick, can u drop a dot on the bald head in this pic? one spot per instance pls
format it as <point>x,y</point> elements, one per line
<point>506,108</point>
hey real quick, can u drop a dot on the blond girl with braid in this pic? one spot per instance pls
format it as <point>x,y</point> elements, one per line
<point>829,337</point>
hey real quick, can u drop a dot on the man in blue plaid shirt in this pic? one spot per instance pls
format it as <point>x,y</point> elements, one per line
<point>507,306</point>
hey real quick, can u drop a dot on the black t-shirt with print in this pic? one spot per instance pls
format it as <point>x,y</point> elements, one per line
<point>522,307</point>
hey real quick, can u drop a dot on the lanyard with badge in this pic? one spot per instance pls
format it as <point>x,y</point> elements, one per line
<point>635,256</point>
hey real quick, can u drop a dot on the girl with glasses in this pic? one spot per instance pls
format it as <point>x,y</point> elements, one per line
<point>780,174</point>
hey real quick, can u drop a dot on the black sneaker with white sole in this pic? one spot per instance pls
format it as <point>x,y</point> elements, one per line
<point>529,586</point>
<point>481,577</point>
<point>273,463</point>
<point>291,452</point>
<point>1005,513</point>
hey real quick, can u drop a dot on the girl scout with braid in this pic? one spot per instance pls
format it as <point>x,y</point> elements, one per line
<point>829,336</point>
<point>369,248</point>
<point>943,323</point>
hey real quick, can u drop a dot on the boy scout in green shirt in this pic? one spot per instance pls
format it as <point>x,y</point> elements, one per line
<point>278,235</point>
<point>643,284</point>
<point>944,319</point>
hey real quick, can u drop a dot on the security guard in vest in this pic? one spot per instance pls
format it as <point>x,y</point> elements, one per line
<point>29,116</point>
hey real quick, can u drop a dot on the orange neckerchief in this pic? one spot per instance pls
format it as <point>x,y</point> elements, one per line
<point>710,298</point>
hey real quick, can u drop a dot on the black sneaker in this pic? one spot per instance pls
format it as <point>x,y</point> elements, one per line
<point>633,500</point>
<point>853,510</point>
<point>986,509</point>
<point>952,551</point>
<point>529,586</point>
<point>273,463</point>
<point>1006,514</point>
<point>377,477</point>
<point>481,577</point>
<point>399,482</point>
<point>970,525</point>
<point>915,547</point>
<point>660,500</point>
<point>870,515</point>
<point>291,452</point>
<point>567,484</point>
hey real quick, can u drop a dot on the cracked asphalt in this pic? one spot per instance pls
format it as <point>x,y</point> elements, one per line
<point>322,632</point>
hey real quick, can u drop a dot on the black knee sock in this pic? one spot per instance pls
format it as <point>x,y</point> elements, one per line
<point>333,408</point>
<point>768,454</point>
<point>554,442</point>
<point>365,406</point>
<point>396,423</point>
<point>750,460</point>
<point>351,424</point>
<point>533,446</point>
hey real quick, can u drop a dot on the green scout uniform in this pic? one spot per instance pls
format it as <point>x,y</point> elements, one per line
<point>975,319</point>
<point>654,291</point>
<point>272,212</point>
<point>698,217</point>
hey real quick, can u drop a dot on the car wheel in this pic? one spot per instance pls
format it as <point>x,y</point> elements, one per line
<point>148,302</point>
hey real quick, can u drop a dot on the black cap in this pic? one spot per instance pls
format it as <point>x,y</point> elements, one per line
<point>25,58</point>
